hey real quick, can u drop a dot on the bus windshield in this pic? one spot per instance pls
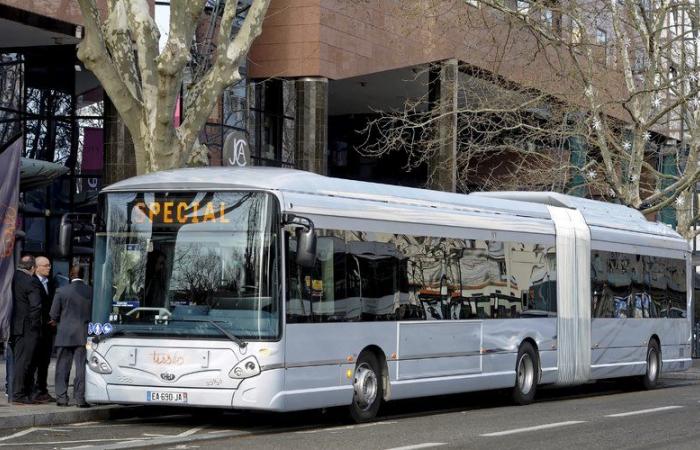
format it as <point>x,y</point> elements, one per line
<point>200,264</point>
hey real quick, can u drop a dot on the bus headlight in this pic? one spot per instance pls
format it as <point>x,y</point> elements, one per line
<point>246,368</point>
<point>97,363</point>
<point>90,345</point>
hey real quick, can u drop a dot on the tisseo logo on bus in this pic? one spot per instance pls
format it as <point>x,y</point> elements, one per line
<point>179,212</point>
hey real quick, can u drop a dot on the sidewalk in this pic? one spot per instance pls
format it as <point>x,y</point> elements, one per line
<point>47,414</point>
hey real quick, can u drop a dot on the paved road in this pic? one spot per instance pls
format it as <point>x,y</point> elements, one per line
<point>601,416</point>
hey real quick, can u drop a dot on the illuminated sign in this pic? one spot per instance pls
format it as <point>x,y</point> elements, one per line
<point>179,212</point>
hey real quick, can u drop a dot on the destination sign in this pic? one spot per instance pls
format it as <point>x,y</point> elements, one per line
<point>179,212</point>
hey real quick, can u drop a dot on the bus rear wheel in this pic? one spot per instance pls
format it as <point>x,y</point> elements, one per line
<point>526,370</point>
<point>651,377</point>
<point>367,388</point>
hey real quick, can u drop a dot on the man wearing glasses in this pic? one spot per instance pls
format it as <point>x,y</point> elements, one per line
<point>42,356</point>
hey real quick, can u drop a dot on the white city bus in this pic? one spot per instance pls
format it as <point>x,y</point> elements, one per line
<point>275,289</point>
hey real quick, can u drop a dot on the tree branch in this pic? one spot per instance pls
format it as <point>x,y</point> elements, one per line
<point>203,95</point>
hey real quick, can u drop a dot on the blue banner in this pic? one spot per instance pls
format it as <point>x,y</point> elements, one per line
<point>9,197</point>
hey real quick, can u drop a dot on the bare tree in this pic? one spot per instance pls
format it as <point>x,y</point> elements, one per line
<point>122,51</point>
<point>508,136</point>
<point>628,97</point>
<point>636,65</point>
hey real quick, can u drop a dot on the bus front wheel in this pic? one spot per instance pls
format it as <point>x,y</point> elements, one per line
<point>525,375</point>
<point>367,388</point>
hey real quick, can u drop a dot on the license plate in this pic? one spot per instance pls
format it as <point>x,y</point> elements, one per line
<point>166,397</point>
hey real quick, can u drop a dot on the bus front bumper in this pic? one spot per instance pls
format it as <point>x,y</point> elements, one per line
<point>253,393</point>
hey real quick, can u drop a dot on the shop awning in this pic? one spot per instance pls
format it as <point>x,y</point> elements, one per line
<point>35,173</point>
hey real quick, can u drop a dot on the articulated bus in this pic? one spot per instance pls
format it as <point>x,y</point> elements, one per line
<point>275,289</point>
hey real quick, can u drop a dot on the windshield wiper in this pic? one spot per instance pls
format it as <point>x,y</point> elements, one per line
<point>240,342</point>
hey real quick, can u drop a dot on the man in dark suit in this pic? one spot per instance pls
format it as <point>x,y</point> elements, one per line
<point>71,310</point>
<point>42,357</point>
<point>26,327</point>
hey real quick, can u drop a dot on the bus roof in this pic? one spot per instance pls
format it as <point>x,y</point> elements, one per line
<point>525,204</point>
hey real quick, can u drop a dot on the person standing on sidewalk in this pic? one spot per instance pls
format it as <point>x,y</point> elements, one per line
<point>71,310</point>
<point>26,328</point>
<point>45,345</point>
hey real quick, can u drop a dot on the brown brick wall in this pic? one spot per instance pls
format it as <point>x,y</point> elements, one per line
<point>355,37</point>
<point>290,43</point>
<point>63,10</point>
<point>345,38</point>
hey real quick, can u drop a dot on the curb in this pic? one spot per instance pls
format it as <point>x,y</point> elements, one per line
<point>73,415</point>
<point>681,376</point>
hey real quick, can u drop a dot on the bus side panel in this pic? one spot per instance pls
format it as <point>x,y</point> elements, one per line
<point>438,348</point>
<point>503,337</point>
<point>319,355</point>
<point>619,345</point>
<point>675,343</point>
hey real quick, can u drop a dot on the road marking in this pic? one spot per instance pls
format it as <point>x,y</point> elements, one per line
<point>347,427</point>
<point>191,431</point>
<point>18,434</point>
<point>535,428</point>
<point>147,443</point>
<point>643,411</point>
<point>65,442</point>
<point>30,430</point>
<point>80,424</point>
<point>415,446</point>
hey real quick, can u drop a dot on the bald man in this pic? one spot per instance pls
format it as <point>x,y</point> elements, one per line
<point>71,311</point>
<point>42,356</point>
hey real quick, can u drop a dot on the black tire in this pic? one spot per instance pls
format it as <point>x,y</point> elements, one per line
<point>650,379</point>
<point>526,375</point>
<point>368,389</point>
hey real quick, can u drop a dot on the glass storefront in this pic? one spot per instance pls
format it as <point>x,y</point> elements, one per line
<point>57,106</point>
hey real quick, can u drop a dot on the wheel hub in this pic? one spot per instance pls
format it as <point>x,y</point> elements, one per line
<point>365,386</point>
<point>526,374</point>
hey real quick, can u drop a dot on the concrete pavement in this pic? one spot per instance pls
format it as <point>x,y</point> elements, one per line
<point>607,415</point>
<point>46,414</point>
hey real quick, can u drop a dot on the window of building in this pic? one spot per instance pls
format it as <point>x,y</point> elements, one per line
<point>272,122</point>
<point>55,106</point>
<point>522,6</point>
<point>601,36</point>
<point>548,17</point>
<point>576,32</point>
<point>551,18</point>
<point>11,88</point>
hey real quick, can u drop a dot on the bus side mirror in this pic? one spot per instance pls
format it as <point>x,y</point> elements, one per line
<point>65,238</point>
<point>306,247</point>
<point>76,234</point>
<point>306,239</point>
